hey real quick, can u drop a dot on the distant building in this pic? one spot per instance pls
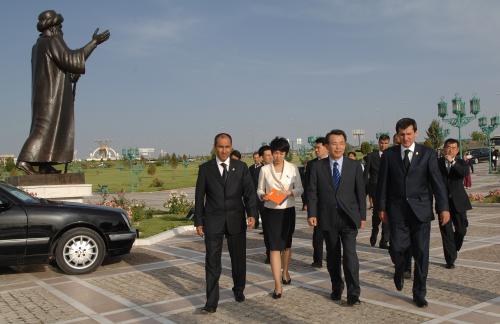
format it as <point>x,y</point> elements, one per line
<point>146,153</point>
<point>103,152</point>
<point>5,157</point>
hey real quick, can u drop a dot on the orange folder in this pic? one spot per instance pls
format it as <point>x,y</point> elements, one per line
<point>277,196</point>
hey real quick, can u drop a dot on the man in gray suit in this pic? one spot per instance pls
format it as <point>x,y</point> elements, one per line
<point>337,204</point>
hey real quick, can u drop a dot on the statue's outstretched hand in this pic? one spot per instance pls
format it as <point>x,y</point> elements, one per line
<point>102,37</point>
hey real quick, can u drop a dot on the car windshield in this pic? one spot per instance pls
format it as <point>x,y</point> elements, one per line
<point>19,194</point>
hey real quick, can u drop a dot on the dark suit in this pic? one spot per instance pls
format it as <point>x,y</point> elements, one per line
<point>254,170</point>
<point>371,175</point>
<point>407,196</point>
<point>220,207</point>
<point>317,239</point>
<point>339,212</point>
<point>459,204</point>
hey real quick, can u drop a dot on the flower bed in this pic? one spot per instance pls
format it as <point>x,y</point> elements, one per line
<point>491,197</point>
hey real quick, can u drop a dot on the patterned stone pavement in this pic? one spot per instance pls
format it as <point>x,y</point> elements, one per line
<point>165,283</point>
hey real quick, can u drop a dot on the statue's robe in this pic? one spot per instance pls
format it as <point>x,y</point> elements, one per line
<point>52,132</point>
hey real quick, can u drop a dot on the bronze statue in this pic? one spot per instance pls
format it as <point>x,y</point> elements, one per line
<point>55,71</point>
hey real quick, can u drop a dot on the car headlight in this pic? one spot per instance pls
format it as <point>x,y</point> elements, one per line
<point>126,219</point>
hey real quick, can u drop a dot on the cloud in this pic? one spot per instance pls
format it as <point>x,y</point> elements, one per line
<point>341,71</point>
<point>143,37</point>
<point>160,30</point>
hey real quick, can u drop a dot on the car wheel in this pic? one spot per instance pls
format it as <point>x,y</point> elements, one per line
<point>80,250</point>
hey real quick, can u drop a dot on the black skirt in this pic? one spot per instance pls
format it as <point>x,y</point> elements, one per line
<point>279,225</point>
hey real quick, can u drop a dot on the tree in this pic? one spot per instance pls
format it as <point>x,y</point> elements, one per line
<point>173,161</point>
<point>435,136</point>
<point>9,164</point>
<point>184,157</point>
<point>478,136</point>
<point>366,148</point>
<point>151,169</point>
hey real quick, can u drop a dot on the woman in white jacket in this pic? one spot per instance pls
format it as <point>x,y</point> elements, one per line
<point>279,178</point>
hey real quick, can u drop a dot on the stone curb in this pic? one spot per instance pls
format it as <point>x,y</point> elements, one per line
<point>479,204</point>
<point>163,235</point>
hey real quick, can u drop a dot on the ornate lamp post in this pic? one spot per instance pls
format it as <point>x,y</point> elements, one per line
<point>487,130</point>
<point>461,118</point>
<point>132,154</point>
<point>311,140</point>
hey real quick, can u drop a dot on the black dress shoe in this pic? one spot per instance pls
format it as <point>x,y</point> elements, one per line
<point>239,296</point>
<point>208,309</point>
<point>317,265</point>
<point>399,281</point>
<point>420,302</point>
<point>353,300</point>
<point>373,240</point>
<point>276,295</point>
<point>336,295</point>
<point>407,274</point>
<point>450,266</point>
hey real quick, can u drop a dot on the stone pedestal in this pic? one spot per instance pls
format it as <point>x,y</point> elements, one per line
<point>64,187</point>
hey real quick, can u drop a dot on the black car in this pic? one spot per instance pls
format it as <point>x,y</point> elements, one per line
<point>480,154</point>
<point>76,236</point>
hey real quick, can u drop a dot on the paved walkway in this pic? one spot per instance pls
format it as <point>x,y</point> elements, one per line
<point>165,283</point>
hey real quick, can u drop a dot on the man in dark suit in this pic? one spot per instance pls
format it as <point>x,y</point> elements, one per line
<point>409,176</point>
<point>224,192</point>
<point>266,157</point>
<point>337,204</point>
<point>321,151</point>
<point>254,170</point>
<point>371,174</point>
<point>454,171</point>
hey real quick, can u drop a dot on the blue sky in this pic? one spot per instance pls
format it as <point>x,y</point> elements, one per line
<point>175,73</point>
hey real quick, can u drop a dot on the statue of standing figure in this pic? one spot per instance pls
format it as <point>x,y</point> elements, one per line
<point>55,71</point>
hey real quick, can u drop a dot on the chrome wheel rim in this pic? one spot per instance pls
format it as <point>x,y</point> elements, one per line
<point>80,252</point>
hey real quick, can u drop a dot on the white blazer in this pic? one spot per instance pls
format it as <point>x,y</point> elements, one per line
<point>289,180</point>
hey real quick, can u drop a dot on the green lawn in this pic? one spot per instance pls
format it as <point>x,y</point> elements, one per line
<point>120,179</point>
<point>155,225</point>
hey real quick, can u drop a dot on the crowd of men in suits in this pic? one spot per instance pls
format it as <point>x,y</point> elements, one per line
<point>407,184</point>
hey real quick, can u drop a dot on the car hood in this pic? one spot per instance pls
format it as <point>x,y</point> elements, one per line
<point>87,207</point>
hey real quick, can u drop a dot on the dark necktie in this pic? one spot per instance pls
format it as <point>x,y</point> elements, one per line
<point>336,175</point>
<point>406,160</point>
<point>224,171</point>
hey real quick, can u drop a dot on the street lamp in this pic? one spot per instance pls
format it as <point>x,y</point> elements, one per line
<point>359,133</point>
<point>487,130</point>
<point>461,118</point>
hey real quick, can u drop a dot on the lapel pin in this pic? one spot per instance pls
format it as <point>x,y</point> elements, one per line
<point>416,153</point>
<point>232,169</point>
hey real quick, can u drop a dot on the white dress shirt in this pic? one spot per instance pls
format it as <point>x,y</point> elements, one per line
<point>221,169</point>
<point>410,154</point>
<point>288,180</point>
